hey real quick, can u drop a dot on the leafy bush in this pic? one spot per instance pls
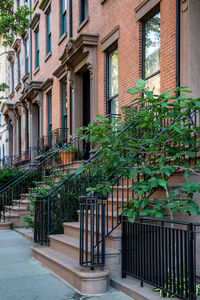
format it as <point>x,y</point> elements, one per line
<point>163,139</point>
<point>7,175</point>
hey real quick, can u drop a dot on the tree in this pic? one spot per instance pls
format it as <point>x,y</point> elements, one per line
<point>12,22</point>
<point>162,140</point>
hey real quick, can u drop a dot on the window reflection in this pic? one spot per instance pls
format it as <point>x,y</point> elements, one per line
<point>151,48</point>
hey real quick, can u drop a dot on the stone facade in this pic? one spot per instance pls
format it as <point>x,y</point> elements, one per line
<point>4,78</point>
<point>71,61</point>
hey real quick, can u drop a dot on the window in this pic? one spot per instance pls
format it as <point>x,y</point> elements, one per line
<point>49,116</point>
<point>48,31</point>
<point>19,66</point>
<point>37,51</point>
<point>12,77</point>
<point>151,53</point>
<point>112,82</point>
<point>27,130</point>
<point>64,107</point>
<point>19,135</point>
<point>0,120</point>
<point>26,56</point>
<point>63,17</point>
<point>84,10</point>
<point>18,3</point>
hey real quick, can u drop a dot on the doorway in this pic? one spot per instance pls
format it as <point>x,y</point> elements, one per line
<point>86,109</point>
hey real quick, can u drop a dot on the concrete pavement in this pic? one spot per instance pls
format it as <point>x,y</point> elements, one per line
<point>22,278</point>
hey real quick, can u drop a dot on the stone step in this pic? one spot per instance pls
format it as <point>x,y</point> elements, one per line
<point>111,221</point>
<point>5,225</point>
<point>21,211</point>
<point>84,280</point>
<point>22,203</point>
<point>27,233</point>
<point>131,287</point>
<point>70,246</point>
<point>72,229</point>
<point>24,196</point>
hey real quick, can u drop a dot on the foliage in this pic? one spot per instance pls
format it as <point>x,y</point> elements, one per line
<point>48,183</point>
<point>12,22</point>
<point>6,175</point>
<point>161,140</point>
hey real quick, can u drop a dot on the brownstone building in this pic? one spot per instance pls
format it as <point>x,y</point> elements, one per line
<point>79,58</point>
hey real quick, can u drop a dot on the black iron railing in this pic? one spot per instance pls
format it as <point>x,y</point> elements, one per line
<point>161,253</point>
<point>57,136</point>
<point>92,232</point>
<point>34,176</point>
<point>9,162</point>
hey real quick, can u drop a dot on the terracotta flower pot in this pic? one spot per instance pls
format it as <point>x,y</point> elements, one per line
<point>68,157</point>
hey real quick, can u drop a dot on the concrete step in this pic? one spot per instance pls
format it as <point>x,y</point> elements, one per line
<point>84,280</point>
<point>131,287</point>
<point>27,233</point>
<point>24,196</point>
<point>72,229</point>
<point>22,203</point>
<point>70,246</point>
<point>5,225</point>
<point>21,211</point>
<point>112,219</point>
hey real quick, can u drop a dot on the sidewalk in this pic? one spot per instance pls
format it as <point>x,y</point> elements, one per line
<point>22,278</point>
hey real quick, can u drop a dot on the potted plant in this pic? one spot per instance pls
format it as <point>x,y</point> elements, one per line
<point>69,155</point>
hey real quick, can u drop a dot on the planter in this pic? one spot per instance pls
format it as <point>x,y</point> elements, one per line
<point>67,157</point>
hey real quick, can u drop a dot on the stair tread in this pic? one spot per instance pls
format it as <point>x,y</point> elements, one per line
<point>22,201</point>
<point>75,242</point>
<point>68,262</point>
<point>115,233</point>
<point>11,215</point>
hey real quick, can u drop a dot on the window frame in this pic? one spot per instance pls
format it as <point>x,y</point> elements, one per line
<point>150,15</point>
<point>48,32</point>
<point>12,77</point>
<point>37,49</point>
<point>64,112</point>
<point>26,46</point>
<point>83,13</point>
<point>19,66</point>
<point>63,18</point>
<point>109,99</point>
<point>49,115</point>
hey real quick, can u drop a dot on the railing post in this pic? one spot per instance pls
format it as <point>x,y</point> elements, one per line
<point>191,271</point>
<point>123,247</point>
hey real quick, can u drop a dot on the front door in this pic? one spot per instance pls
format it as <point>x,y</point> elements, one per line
<point>86,107</point>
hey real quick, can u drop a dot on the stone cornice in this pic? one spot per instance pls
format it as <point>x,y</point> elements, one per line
<point>47,84</point>
<point>44,5</point>
<point>76,49</point>
<point>60,71</point>
<point>35,21</point>
<point>17,44</point>
<point>6,107</point>
<point>31,89</point>
<point>11,55</point>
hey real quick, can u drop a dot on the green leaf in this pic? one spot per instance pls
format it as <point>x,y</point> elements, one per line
<point>140,84</point>
<point>158,215</point>
<point>172,205</point>
<point>162,182</point>
<point>99,117</point>
<point>133,91</point>
<point>146,212</point>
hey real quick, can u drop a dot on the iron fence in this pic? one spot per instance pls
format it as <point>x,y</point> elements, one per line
<point>92,232</point>
<point>161,253</point>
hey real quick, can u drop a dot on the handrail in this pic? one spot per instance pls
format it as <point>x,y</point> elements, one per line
<point>90,159</point>
<point>32,162</point>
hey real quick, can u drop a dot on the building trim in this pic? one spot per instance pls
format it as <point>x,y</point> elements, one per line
<point>60,72</point>
<point>111,38</point>
<point>47,84</point>
<point>143,8</point>
<point>44,5</point>
<point>35,21</point>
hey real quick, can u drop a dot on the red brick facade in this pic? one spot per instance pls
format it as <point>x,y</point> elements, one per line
<point>124,18</point>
